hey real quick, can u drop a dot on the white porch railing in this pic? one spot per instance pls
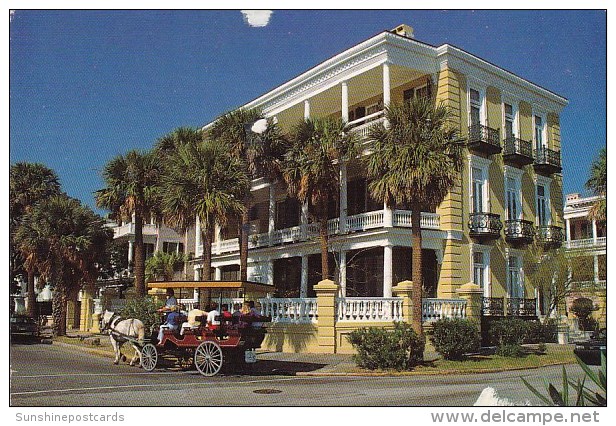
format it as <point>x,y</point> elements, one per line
<point>129,229</point>
<point>586,243</point>
<point>369,309</point>
<point>362,125</point>
<point>597,285</point>
<point>402,218</point>
<point>364,221</point>
<point>436,309</point>
<point>189,304</point>
<point>293,310</point>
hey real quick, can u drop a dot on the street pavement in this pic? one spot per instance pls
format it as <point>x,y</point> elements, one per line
<point>57,375</point>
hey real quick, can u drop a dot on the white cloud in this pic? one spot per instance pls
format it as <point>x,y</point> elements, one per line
<point>257,18</point>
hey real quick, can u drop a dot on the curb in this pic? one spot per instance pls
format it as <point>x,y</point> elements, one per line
<point>94,351</point>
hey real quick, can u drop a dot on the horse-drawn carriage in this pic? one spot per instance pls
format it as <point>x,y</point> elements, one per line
<point>233,341</point>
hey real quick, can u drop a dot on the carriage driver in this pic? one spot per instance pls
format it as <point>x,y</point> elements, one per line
<point>170,303</point>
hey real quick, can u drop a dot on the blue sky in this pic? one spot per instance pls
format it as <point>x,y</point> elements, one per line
<point>86,86</point>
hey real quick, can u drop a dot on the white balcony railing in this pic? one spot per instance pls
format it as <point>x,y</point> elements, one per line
<point>355,223</point>
<point>436,309</point>
<point>362,125</point>
<point>589,285</point>
<point>586,243</point>
<point>369,309</point>
<point>292,310</point>
<point>129,229</point>
<point>189,304</point>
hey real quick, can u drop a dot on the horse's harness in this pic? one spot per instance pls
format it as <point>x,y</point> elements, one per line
<point>110,325</point>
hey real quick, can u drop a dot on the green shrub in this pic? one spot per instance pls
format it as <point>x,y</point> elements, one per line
<point>453,338</point>
<point>510,351</point>
<point>508,331</point>
<point>378,348</point>
<point>588,324</point>
<point>582,307</point>
<point>538,332</point>
<point>143,309</point>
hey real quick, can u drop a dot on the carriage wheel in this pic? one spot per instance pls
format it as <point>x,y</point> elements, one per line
<point>149,357</point>
<point>208,358</point>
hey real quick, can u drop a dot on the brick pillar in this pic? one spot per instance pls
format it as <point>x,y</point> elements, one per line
<point>472,293</point>
<point>326,307</point>
<point>87,304</point>
<point>404,289</point>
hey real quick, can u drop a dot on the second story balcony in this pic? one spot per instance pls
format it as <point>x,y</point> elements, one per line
<point>587,243</point>
<point>518,152</point>
<point>128,230</point>
<point>519,231</point>
<point>484,139</point>
<point>547,161</point>
<point>550,236</point>
<point>484,226</point>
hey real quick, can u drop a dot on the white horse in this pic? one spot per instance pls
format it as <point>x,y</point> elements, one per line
<point>119,330</point>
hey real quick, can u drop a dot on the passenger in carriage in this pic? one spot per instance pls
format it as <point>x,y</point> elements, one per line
<point>253,312</point>
<point>194,319</point>
<point>226,315</point>
<point>171,322</point>
<point>170,303</point>
<point>212,322</point>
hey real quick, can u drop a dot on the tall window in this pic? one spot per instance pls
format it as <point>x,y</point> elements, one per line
<point>538,133</point>
<point>513,210</point>
<point>475,107</point>
<point>542,206</point>
<point>171,247</point>
<point>515,278</point>
<point>479,269</point>
<point>478,190</point>
<point>509,119</point>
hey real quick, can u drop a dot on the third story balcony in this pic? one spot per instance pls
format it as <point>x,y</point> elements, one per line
<point>518,152</point>
<point>484,226</point>
<point>484,139</point>
<point>547,161</point>
<point>519,231</point>
<point>550,236</point>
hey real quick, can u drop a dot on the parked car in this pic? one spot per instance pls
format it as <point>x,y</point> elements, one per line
<point>22,326</point>
<point>590,350</point>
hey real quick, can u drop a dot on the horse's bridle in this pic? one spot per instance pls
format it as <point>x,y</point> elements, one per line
<point>111,323</point>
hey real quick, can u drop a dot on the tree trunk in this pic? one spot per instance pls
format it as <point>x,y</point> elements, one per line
<point>417,275</point>
<point>207,237</point>
<point>31,295</point>
<point>139,256</point>
<point>59,310</point>
<point>323,240</point>
<point>244,242</point>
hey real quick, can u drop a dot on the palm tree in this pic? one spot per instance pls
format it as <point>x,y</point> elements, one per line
<point>132,189</point>
<point>69,241</point>
<point>203,180</point>
<point>29,183</point>
<point>416,160</point>
<point>163,265</point>
<point>312,170</point>
<point>261,155</point>
<point>597,183</point>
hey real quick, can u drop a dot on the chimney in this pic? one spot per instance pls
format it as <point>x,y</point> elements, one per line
<point>404,30</point>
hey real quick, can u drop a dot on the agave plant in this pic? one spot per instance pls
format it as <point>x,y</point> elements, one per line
<point>583,394</point>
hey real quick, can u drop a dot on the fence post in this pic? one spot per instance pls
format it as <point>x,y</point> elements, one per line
<point>404,289</point>
<point>326,308</point>
<point>472,293</point>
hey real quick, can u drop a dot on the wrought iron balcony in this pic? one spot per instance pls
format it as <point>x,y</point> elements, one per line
<point>484,225</point>
<point>519,307</point>
<point>547,161</point>
<point>519,231</point>
<point>550,236</point>
<point>484,139</point>
<point>493,306</point>
<point>518,152</point>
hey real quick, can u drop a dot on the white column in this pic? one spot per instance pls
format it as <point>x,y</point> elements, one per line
<point>217,239</point>
<point>303,289</point>
<point>594,231</point>
<point>306,109</point>
<point>345,101</point>
<point>388,273</point>
<point>270,272</point>
<point>343,272</point>
<point>596,268</point>
<point>343,197</point>
<point>272,212</point>
<point>386,85</point>
<point>218,273</point>
<point>130,252</point>
<point>388,216</point>
<point>568,229</point>
<point>304,220</point>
